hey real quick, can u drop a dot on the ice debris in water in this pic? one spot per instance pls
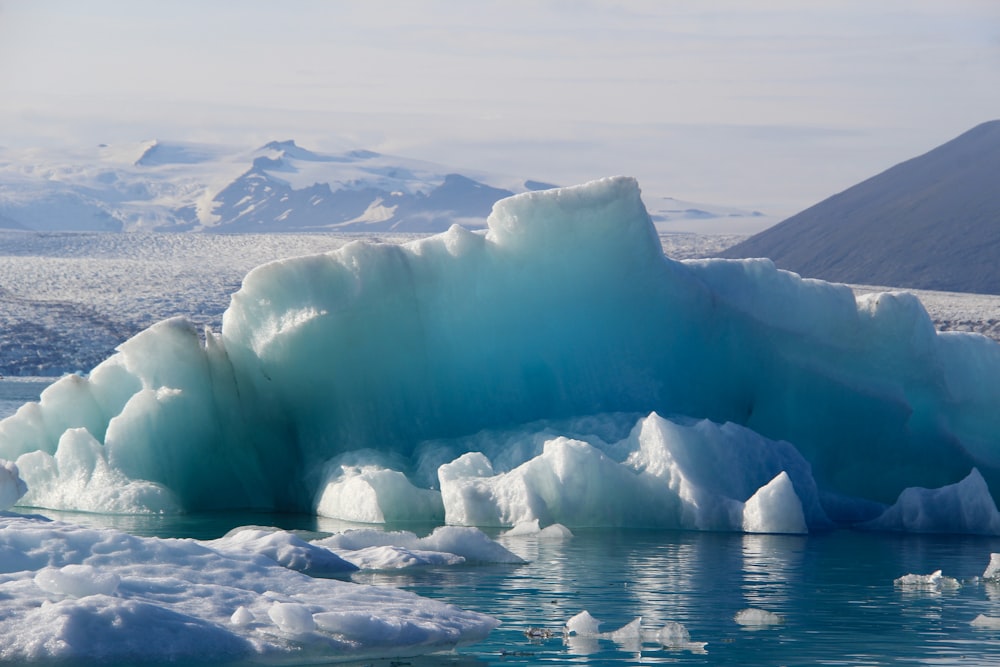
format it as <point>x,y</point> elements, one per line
<point>984,622</point>
<point>674,635</point>
<point>933,582</point>
<point>372,549</point>
<point>72,593</point>
<point>753,617</point>
<point>585,625</point>
<point>556,531</point>
<point>333,372</point>
<point>992,572</point>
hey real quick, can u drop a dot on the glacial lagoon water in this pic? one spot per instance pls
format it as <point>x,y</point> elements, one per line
<point>834,594</point>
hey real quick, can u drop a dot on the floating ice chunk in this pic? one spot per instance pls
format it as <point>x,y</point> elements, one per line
<point>470,543</point>
<point>556,531</point>
<point>753,617</point>
<point>286,549</point>
<point>630,631</point>
<point>775,508</point>
<point>984,622</point>
<point>446,544</point>
<point>292,617</point>
<point>372,494</point>
<point>523,529</point>
<point>992,572</point>
<point>76,581</point>
<point>584,625</point>
<point>674,635</point>
<point>934,582</point>
<point>398,558</point>
<point>74,594</point>
<point>963,507</point>
<point>12,487</point>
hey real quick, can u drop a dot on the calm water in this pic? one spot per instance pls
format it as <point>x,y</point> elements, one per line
<point>834,591</point>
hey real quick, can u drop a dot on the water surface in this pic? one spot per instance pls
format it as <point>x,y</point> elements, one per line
<point>834,592</point>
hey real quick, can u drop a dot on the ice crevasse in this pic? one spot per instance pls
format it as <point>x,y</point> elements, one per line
<point>557,368</point>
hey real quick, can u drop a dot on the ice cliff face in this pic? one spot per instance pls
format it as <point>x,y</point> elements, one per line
<point>511,376</point>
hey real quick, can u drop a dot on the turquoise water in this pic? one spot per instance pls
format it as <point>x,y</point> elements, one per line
<point>834,591</point>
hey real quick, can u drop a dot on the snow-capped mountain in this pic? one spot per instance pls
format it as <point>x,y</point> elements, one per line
<point>174,186</point>
<point>278,187</point>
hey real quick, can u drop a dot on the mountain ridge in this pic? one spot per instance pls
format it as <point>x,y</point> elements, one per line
<point>930,222</point>
<point>280,186</point>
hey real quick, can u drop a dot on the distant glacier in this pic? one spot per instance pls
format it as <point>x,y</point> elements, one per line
<point>171,186</point>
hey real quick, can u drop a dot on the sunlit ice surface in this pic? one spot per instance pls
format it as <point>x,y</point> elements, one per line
<point>557,368</point>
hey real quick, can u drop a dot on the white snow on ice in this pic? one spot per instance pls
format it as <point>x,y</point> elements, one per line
<point>74,593</point>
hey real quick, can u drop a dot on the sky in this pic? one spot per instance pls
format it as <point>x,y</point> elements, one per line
<point>772,105</point>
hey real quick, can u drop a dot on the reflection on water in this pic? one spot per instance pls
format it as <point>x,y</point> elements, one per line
<point>834,593</point>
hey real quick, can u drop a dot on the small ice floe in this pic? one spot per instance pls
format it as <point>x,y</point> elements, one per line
<point>582,634</point>
<point>78,595</point>
<point>585,625</point>
<point>675,636</point>
<point>757,618</point>
<point>556,531</point>
<point>371,549</point>
<point>935,582</point>
<point>984,622</point>
<point>992,572</point>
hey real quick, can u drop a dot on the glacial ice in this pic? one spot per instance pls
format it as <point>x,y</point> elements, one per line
<point>963,507</point>
<point>464,542</point>
<point>935,582</point>
<point>992,572</point>
<point>12,487</point>
<point>674,635</point>
<point>626,389</point>
<point>98,595</point>
<point>753,617</point>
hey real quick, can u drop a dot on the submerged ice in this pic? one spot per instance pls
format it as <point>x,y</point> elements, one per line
<point>557,369</point>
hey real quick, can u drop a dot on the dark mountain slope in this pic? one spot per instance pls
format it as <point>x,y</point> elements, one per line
<point>932,222</point>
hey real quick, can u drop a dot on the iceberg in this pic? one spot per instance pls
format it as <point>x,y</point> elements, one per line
<point>616,387</point>
<point>963,507</point>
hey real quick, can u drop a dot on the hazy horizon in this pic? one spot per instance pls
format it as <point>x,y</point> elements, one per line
<point>772,107</point>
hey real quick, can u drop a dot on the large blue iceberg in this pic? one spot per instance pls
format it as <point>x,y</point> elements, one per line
<point>558,368</point>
